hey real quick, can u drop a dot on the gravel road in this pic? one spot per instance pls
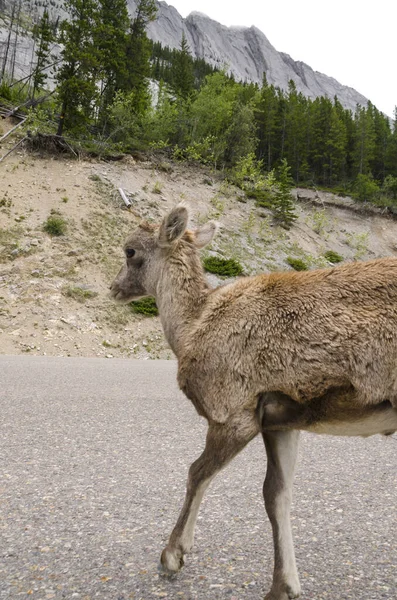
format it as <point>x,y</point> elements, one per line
<point>93,461</point>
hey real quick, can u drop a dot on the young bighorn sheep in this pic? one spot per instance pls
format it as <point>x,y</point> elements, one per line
<point>273,353</point>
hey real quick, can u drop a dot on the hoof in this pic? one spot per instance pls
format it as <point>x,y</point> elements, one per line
<point>171,561</point>
<point>283,594</point>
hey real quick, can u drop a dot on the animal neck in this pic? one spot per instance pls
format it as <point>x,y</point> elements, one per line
<point>181,293</point>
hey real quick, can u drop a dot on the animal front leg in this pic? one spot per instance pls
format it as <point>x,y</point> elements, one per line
<point>223,443</point>
<point>282,449</point>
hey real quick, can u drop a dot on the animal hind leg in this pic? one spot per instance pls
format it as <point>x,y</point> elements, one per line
<point>281,449</point>
<point>223,443</point>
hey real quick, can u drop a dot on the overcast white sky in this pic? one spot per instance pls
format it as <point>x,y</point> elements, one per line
<point>354,41</point>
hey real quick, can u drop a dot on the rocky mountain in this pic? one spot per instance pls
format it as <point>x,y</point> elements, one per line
<point>244,51</point>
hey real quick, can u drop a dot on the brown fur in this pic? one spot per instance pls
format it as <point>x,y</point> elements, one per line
<point>298,333</point>
<point>312,350</point>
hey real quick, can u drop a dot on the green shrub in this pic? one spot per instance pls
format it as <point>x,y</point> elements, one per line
<point>390,187</point>
<point>157,188</point>
<point>297,263</point>
<point>359,243</point>
<point>320,221</point>
<point>13,92</point>
<point>264,197</point>
<point>95,177</point>
<point>145,306</point>
<point>365,188</point>
<point>202,151</point>
<point>247,173</point>
<point>225,267</point>
<point>333,257</point>
<point>55,225</point>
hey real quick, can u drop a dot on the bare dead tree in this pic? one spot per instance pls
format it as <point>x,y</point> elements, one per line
<point>14,54</point>
<point>8,42</point>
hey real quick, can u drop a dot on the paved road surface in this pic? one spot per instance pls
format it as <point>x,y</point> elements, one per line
<point>93,461</point>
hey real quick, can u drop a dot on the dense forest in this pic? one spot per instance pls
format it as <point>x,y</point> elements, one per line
<point>116,88</point>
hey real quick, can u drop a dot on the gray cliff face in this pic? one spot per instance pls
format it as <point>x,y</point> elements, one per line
<point>244,51</point>
<point>21,53</point>
<point>247,53</point>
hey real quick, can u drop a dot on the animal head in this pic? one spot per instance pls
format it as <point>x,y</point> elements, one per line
<point>150,248</point>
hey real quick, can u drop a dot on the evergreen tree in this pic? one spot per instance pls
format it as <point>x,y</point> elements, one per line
<point>294,148</point>
<point>347,118</point>
<point>164,59</point>
<point>201,70</point>
<point>77,84</point>
<point>110,38</point>
<point>43,36</point>
<point>391,152</point>
<point>183,75</point>
<point>281,121</point>
<point>319,135</point>
<point>382,140</point>
<point>139,49</point>
<point>265,113</point>
<point>336,146</point>
<point>284,210</point>
<point>364,139</point>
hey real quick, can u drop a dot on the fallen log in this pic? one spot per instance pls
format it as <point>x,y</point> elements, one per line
<point>124,197</point>
<point>13,148</point>
<point>11,130</point>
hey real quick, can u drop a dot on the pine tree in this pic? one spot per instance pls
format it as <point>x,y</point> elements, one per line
<point>336,148</point>
<point>77,83</point>
<point>284,210</point>
<point>382,141</point>
<point>138,56</point>
<point>294,148</point>
<point>43,35</point>
<point>183,75</point>
<point>265,112</point>
<point>110,39</point>
<point>281,120</point>
<point>391,152</point>
<point>346,116</point>
<point>364,139</point>
<point>321,110</point>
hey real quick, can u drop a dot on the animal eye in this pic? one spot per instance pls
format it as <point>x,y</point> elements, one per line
<point>130,252</point>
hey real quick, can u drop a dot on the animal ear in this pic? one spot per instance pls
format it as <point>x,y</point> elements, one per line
<point>204,235</point>
<point>173,226</point>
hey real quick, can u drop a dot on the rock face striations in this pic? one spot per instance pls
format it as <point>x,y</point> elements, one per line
<point>244,51</point>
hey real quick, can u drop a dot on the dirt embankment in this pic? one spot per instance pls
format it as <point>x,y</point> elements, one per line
<point>54,290</point>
